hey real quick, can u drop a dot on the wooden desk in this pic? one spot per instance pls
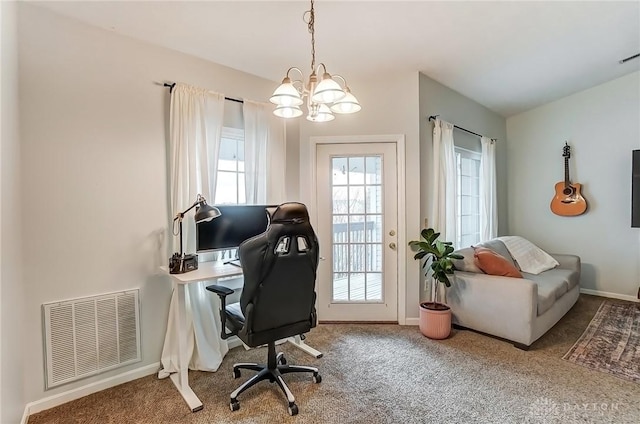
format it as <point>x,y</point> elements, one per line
<point>207,271</point>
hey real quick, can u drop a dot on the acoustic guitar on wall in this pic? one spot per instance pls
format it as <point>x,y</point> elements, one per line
<point>568,200</point>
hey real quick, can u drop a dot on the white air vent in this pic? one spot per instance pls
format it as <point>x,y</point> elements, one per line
<point>90,335</point>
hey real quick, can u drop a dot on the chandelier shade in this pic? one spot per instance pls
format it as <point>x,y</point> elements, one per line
<point>327,91</point>
<point>322,113</point>
<point>286,94</point>
<point>287,111</point>
<point>347,104</point>
<point>323,95</point>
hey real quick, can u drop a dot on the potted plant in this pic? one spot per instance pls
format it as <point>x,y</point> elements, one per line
<point>435,317</point>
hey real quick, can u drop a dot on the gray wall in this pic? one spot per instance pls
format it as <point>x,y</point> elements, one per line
<point>602,125</point>
<point>436,99</point>
<point>12,400</point>
<point>93,137</point>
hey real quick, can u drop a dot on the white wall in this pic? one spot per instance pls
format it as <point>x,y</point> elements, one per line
<point>389,106</point>
<point>94,162</point>
<point>453,107</point>
<point>602,125</point>
<point>12,400</point>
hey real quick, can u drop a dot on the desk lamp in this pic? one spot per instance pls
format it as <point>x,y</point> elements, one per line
<point>180,262</point>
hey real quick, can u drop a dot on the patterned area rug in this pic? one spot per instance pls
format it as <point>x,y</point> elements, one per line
<point>611,343</point>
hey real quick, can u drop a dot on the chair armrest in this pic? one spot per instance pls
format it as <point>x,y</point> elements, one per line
<point>221,291</point>
<point>571,262</point>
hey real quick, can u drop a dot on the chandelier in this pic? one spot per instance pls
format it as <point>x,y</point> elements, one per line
<point>325,96</point>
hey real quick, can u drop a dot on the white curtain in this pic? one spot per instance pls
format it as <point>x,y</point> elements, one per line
<point>445,184</point>
<point>195,126</point>
<point>264,154</point>
<point>488,195</point>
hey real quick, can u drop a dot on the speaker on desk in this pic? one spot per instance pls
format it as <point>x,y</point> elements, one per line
<point>635,190</point>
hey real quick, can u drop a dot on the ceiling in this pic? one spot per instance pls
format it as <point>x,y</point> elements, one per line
<point>508,56</point>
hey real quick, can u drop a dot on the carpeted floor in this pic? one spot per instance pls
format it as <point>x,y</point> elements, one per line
<point>611,343</point>
<point>390,374</point>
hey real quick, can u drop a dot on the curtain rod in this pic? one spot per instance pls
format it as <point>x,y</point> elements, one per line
<point>173,84</point>
<point>433,117</point>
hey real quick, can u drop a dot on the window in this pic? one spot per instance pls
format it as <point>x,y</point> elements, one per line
<point>468,202</point>
<point>230,186</point>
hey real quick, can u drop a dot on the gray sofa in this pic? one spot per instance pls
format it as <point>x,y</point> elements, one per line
<point>517,309</point>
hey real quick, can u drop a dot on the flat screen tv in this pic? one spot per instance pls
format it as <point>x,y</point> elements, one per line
<point>236,224</point>
<point>635,190</point>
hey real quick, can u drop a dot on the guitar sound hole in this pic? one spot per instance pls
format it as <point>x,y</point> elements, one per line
<point>568,191</point>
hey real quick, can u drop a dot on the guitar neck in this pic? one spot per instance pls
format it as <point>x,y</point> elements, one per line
<point>567,181</point>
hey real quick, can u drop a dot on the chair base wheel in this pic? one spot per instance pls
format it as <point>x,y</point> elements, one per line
<point>317,378</point>
<point>293,409</point>
<point>236,373</point>
<point>234,405</point>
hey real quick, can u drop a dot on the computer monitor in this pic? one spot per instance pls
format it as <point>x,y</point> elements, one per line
<point>236,224</point>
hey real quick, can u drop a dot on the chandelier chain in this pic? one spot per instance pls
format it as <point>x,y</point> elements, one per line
<point>311,27</point>
<point>323,93</point>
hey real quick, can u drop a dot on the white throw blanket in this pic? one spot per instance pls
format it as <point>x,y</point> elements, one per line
<point>530,257</point>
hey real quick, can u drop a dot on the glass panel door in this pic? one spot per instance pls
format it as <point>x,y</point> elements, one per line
<point>357,220</point>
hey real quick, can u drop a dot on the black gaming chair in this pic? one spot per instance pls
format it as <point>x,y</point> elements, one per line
<point>278,298</point>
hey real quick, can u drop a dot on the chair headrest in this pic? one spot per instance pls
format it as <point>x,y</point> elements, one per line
<point>290,213</point>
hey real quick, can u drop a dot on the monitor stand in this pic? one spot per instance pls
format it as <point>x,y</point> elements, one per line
<point>234,262</point>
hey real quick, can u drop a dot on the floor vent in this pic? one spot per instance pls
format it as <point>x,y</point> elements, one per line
<point>90,335</point>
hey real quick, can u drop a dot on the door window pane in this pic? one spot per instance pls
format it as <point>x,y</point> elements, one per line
<point>356,170</point>
<point>340,286</point>
<point>374,199</point>
<point>339,171</point>
<point>340,229</point>
<point>356,257</point>
<point>374,286</point>
<point>374,257</point>
<point>374,170</point>
<point>340,257</point>
<point>374,228</point>
<point>356,199</point>
<point>357,289</point>
<point>356,229</point>
<point>340,200</point>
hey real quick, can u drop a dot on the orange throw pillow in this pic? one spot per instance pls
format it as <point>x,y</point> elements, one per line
<point>493,263</point>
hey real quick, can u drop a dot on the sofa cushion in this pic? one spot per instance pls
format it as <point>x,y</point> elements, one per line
<point>493,263</point>
<point>566,276</point>
<point>467,264</point>
<point>552,285</point>
<point>500,248</point>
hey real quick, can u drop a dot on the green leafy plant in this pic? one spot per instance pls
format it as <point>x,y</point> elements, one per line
<point>437,256</point>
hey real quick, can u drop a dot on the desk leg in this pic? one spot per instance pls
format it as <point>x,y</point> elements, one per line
<point>181,378</point>
<point>297,342</point>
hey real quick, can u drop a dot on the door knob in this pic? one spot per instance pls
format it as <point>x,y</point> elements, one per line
<point>392,246</point>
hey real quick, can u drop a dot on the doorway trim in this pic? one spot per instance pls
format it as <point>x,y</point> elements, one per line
<point>399,141</point>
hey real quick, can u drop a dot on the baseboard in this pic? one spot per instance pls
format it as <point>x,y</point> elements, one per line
<point>77,393</point>
<point>234,341</point>
<point>610,295</point>
<point>412,321</point>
